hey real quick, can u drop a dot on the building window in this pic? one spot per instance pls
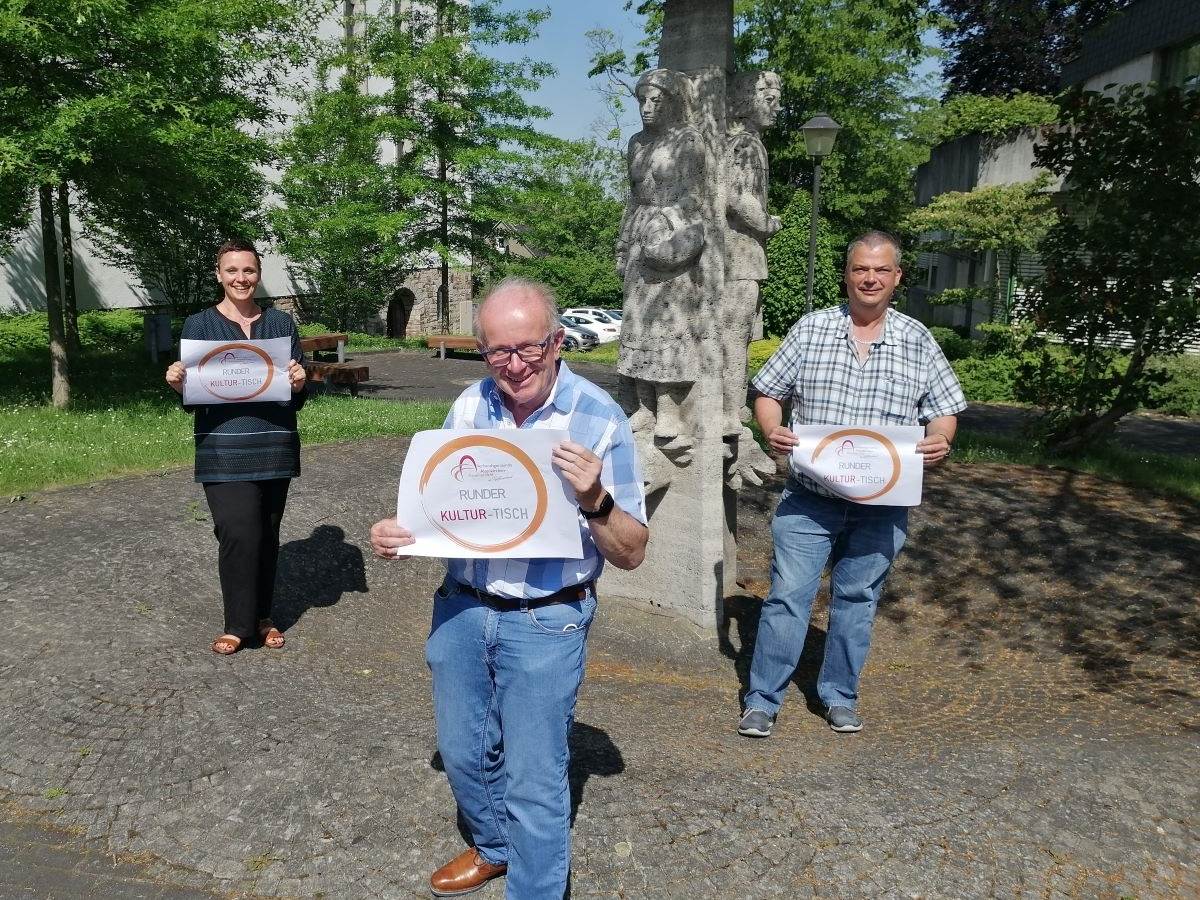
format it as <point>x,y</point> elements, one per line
<point>1181,66</point>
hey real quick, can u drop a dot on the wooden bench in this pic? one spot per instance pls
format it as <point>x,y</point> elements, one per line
<point>319,343</point>
<point>444,342</point>
<point>337,373</point>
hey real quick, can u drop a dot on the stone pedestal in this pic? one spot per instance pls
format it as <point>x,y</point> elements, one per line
<point>691,561</point>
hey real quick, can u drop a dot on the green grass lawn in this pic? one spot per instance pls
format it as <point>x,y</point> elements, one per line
<point>1172,475</point>
<point>125,420</point>
<point>43,447</point>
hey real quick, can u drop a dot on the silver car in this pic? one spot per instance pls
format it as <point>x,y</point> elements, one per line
<point>577,337</point>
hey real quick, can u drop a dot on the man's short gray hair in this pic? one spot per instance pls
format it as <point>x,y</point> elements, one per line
<point>543,292</point>
<point>871,240</point>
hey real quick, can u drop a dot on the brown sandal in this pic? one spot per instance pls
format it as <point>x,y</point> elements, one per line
<point>227,644</point>
<point>271,636</point>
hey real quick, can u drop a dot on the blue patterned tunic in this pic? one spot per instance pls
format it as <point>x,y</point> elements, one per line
<point>246,441</point>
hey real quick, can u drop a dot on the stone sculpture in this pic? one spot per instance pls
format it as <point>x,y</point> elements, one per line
<point>663,238</point>
<point>754,104</point>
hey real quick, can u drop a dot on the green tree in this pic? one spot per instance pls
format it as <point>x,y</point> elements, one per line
<point>164,224</point>
<point>570,224</point>
<point>855,60</point>
<point>785,292</point>
<point>429,163</point>
<point>345,213</point>
<point>1122,260</point>
<point>1008,46</point>
<point>1006,219</point>
<point>96,91</point>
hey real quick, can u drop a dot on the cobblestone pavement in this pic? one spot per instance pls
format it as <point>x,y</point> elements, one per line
<point>1031,703</point>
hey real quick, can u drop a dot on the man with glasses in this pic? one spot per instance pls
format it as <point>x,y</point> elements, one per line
<point>507,645</point>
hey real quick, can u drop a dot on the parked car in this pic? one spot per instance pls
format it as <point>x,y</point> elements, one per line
<point>605,328</point>
<point>577,337</point>
<point>602,315</point>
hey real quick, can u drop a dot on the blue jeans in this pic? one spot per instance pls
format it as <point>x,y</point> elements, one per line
<point>504,689</point>
<point>808,531</point>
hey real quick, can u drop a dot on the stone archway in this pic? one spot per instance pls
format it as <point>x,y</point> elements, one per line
<point>399,309</point>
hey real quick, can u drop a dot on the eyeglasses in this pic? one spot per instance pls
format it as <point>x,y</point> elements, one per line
<point>499,356</point>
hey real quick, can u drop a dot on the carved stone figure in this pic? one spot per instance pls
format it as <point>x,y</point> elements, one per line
<point>754,106</point>
<point>662,238</point>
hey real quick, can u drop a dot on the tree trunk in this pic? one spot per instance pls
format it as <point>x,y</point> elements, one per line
<point>59,361</point>
<point>70,307</point>
<point>443,300</point>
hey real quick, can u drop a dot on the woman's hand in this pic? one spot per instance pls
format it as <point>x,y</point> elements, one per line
<point>296,376</point>
<point>176,373</point>
<point>388,537</point>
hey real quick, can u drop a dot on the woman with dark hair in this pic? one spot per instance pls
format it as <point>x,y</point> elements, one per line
<point>246,453</point>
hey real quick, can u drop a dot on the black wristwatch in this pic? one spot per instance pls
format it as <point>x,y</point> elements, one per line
<point>605,507</point>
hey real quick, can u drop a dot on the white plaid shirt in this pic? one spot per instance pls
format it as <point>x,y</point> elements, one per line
<point>594,420</point>
<point>906,379</point>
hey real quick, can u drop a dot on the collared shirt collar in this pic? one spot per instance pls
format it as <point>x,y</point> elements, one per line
<point>885,337</point>
<point>562,395</point>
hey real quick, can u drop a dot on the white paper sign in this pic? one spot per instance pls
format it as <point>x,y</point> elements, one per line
<point>489,493</point>
<point>236,371</point>
<point>878,466</point>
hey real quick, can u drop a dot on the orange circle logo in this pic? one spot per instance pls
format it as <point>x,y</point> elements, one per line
<point>858,454</point>
<point>488,469</point>
<point>232,359</point>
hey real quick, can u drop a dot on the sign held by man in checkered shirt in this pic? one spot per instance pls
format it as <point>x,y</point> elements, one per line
<point>468,493</point>
<point>876,465</point>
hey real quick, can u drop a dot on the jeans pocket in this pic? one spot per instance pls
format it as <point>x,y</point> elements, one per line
<point>564,619</point>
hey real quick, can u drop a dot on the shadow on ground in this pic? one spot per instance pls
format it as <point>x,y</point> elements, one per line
<point>316,572</point>
<point>1041,559</point>
<point>592,753</point>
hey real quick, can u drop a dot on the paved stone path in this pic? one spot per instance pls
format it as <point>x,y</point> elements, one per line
<point>1031,703</point>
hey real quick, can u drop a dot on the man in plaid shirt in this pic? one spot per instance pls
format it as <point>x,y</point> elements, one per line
<point>507,644</point>
<point>861,363</point>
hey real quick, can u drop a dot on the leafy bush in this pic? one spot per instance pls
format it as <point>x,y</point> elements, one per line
<point>26,333</point>
<point>1178,394</point>
<point>783,294</point>
<point>994,116</point>
<point>988,379</point>
<point>953,344</point>
<point>102,330</point>
<point>996,337</point>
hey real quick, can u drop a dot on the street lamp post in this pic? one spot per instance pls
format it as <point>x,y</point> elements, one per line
<point>819,134</point>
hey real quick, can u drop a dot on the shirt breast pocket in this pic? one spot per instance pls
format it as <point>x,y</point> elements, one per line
<point>898,400</point>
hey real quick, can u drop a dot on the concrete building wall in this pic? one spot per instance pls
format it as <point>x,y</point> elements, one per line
<point>1140,70</point>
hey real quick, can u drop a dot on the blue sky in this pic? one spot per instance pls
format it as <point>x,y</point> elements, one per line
<point>570,96</point>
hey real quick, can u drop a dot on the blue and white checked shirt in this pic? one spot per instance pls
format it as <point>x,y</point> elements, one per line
<point>594,420</point>
<point>906,379</point>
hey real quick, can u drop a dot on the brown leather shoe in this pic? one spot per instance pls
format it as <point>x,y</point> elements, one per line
<point>464,874</point>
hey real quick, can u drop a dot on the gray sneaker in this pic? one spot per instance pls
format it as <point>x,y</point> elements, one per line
<point>843,719</point>
<point>756,723</point>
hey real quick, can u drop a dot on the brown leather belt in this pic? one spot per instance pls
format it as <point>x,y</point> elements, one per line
<point>508,604</point>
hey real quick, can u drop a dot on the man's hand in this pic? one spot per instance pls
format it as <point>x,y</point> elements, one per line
<point>934,447</point>
<point>581,467</point>
<point>781,439</point>
<point>296,376</point>
<point>388,536</point>
<point>175,375</point>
